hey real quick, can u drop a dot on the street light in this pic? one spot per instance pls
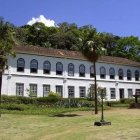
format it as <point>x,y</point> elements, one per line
<point>102,121</point>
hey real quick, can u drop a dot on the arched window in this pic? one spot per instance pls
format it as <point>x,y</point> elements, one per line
<point>82,70</point>
<point>46,67</point>
<point>129,75</point>
<point>137,75</point>
<point>59,68</point>
<point>112,73</point>
<point>102,73</point>
<point>20,65</point>
<point>70,69</point>
<point>120,74</point>
<point>91,71</point>
<point>34,66</point>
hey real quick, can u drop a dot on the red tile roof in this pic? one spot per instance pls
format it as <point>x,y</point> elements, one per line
<point>71,55</point>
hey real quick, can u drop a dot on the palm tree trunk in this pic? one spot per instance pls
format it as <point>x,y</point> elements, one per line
<point>95,88</point>
<point>0,90</point>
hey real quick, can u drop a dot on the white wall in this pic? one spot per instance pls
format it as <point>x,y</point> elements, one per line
<point>11,76</point>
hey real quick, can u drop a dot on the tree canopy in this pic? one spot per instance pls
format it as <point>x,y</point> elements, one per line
<point>71,37</point>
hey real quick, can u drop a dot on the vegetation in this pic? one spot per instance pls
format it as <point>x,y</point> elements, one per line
<point>71,37</point>
<point>6,44</point>
<point>71,126</point>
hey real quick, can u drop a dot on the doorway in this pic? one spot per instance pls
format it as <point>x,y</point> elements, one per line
<point>121,91</point>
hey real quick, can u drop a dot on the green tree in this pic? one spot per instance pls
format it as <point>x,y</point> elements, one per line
<point>128,47</point>
<point>6,45</point>
<point>92,49</point>
<point>110,42</point>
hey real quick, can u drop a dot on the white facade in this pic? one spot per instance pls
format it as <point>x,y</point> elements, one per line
<point>115,88</point>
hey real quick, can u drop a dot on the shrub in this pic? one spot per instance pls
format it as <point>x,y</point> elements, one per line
<point>53,97</point>
<point>74,102</point>
<point>19,107</point>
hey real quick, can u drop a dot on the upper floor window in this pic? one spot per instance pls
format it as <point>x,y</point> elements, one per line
<point>129,76</point>
<point>112,73</point>
<point>46,67</point>
<point>34,66</point>
<point>102,72</point>
<point>136,75</point>
<point>59,68</point>
<point>71,69</point>
<point>82,70</point>
<point>91,71</point>
<point>20,65</point>
<point>120,74</point>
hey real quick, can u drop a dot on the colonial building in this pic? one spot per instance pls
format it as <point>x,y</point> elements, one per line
<point>39,70</point>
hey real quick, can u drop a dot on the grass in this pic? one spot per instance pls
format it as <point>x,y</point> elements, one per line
<point>76,125</point>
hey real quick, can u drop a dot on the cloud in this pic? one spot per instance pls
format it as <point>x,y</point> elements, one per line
<point>42,19</point>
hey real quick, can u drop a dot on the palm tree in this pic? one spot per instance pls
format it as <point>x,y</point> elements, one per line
<point>92,49</point>
<point>6,44</point>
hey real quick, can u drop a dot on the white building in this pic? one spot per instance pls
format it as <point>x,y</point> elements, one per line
<point>42,70</point>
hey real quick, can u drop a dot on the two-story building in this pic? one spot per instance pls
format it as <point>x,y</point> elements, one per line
<point>41,70</point>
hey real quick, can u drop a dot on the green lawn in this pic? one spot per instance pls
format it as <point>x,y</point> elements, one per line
<point>72,126</point>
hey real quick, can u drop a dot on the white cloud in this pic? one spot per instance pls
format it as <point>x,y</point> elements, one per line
<point>41,18</point>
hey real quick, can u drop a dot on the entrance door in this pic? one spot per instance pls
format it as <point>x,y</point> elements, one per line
<point>121,90</point>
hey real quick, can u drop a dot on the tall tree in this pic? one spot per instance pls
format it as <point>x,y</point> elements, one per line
<point>128,47</point>
<point>110,42</point>
<point>6,44</point>
<point>92,49</point>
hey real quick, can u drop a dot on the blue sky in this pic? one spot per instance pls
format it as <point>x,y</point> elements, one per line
<point>120,17</point>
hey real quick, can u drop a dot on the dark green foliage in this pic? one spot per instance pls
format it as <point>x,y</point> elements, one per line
<point>18,107</point>
<point>51,101</point>
<point>74,102</point>
<point>69,37</point>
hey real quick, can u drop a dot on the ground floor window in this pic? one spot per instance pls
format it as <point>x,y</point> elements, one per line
<point>130,93</point>
<point>112,93</point>
<point>46,90</point>
<point>19,89</point>
<point>33,90</point>
<point>82,92</point>
<point>59,90</point>
<point>137,91</point>
<point>71,91</point>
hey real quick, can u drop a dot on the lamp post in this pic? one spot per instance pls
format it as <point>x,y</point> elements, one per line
<point>102,121</point>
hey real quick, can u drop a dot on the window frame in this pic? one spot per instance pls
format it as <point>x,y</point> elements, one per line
<point>112,75</point>
<point>114,96</point>
<point>70,74</point>
<point>58,72</point>
<point>71,95</point>
<point>128,90</point>
<point>121,75</point>
<point>34,94</point>
<point>45,92</point>
<point>33,70</point>
<point>82,95</point>
<point>19,84</point>
<point>129,75</point>
<point>102,75</point>
<point>92,75</point>
<point>18,67</point>
<point>46,70</point>
<point>56,89</point>
<point>137,75</point>
<point>82,74</point>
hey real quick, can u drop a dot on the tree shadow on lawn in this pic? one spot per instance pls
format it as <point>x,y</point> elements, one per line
<point>66,115</point>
